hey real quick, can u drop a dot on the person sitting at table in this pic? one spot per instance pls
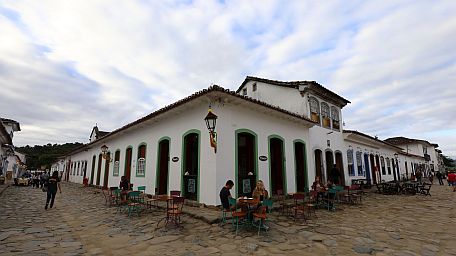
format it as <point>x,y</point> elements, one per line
<point>124,184</point>
<point>225,194</point>
<point>260,193</point>
<point>317,185</point>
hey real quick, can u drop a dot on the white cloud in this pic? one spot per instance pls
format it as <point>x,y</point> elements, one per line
<point>81,62</point>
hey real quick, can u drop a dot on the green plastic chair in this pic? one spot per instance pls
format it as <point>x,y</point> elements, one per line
<point>134,204</point>
<point>142,189</point>
<point>268,204</point>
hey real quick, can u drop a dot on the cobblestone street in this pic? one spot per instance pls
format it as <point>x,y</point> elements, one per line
<point>81,224</point>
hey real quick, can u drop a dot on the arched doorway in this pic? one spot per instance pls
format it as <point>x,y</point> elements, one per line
<point>106,172</point>
<point>329,164</point>
<point>300,166</point>
<point>377,161</point>
<point>394,169</point>
<point>318,164</point>
<point>190,165</point>
<point>92,173</point>
<point>373,168</point>
<point>162,167</point>
<point>246,162</point>
<point>277,165</point>
<point>100,159</point>
<point>340,167</point>
<point>406,170</point>
<point>398,171</point>
<point>368,173</point>
<point>127,170</point>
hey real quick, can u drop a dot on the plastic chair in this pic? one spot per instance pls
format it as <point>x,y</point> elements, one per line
<point>134,204</point>
<point>330,200</point>
<point>142,189</point>
<point>299,205</point>
<point>175,193</point>
<point>261,216</point>
<point>236,216</point>
<point>268,204</point>
<point>174,212</point>
<point>285,206</point>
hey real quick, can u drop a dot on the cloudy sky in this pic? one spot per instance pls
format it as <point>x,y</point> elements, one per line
<point>66,65</point>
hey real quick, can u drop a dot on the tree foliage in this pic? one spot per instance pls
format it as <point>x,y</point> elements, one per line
<point>448,161</point>
<point>43,156</point>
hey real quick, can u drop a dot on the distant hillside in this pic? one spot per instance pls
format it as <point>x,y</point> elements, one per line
<point>45,155</point>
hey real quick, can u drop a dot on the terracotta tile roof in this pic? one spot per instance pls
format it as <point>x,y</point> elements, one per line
<point>5,134</point>
<point>404,140</point>
<point>13,122</point>
<point>213,88</point>
<point>372,138</point>
<point>292,84</point>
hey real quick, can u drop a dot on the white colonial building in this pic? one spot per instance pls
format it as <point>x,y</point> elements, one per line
<point>284,133</point>
<point>12,164</point>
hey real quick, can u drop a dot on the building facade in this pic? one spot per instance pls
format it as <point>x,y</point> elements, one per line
<point>283,133</point>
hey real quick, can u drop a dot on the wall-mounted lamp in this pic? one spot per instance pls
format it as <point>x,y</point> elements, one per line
<point>211,122</point>
<point>104,153</point>
<point>396,155</point>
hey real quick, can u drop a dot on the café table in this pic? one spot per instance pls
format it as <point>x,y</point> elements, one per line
<point>250,203</point>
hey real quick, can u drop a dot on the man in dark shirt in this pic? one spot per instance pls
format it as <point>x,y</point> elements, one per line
<point>225,194</point>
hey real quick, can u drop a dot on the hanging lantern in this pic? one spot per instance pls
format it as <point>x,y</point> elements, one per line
<point>211,122</point>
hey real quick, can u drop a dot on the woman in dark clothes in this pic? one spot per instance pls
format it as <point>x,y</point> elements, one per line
<point>52,184</point>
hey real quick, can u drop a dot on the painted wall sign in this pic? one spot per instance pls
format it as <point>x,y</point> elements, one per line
<point>175,159</point>
<point>263,158</point>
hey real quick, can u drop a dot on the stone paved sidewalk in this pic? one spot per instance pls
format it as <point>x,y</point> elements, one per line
<point>80,224</point>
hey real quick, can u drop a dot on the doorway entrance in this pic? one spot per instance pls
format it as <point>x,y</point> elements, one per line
<point>329,164</point>
<point>394,169</point>
<point>300,165</point>
<point>246,159</point>
<point>377,160</point>
<point>163,167</point>
<point>92,173</point>
<point>127,171</point>
<point>318,165</point>
<point>374,170</point>
<point>106,172</point>
<point>340,167</point>
<point>191,166</point>
<point>276,166</point>
<point>366,164</point>
<point>99,169</point>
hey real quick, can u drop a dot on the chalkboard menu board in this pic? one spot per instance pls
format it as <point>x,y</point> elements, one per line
<point>191,185</point>
<point>246,186</point>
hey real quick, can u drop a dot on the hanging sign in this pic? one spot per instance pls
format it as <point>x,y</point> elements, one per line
<point>263,158</point>
<point>175,159</point>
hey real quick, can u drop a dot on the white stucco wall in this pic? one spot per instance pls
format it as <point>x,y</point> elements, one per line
<point>287,98</point>
<point>215,169</point>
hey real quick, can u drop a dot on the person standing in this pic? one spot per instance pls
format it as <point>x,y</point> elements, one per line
<point>52,184</point>
<point>44,178</point>
<point>439,177</point>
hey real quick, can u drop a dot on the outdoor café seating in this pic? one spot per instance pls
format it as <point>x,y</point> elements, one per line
<point>238,217</point>
<point>299,206</point>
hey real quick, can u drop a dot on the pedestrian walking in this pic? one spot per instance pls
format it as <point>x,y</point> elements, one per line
<point>431,177</point>
<point>439,177</point>
<point>44,178</point>
<point>52,184</point>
